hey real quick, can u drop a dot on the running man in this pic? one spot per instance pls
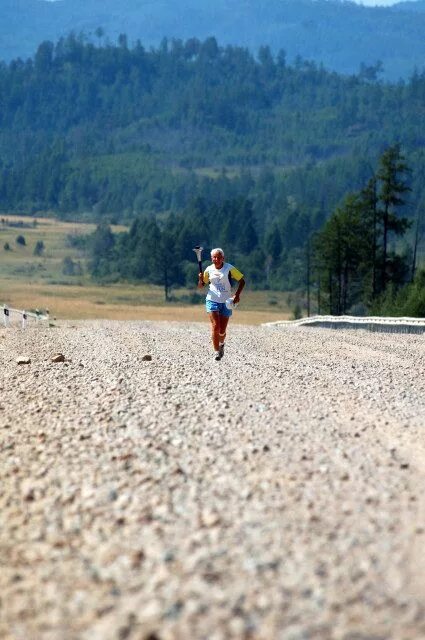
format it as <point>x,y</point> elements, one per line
<point>219,276</point>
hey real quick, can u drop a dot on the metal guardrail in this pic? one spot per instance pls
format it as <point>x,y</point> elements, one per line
<point>369,323</point>
<point>25,316</point>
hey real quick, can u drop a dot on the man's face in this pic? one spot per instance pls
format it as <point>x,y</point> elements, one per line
<point>217,259</point>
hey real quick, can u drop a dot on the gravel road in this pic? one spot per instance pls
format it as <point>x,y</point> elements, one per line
<point>275,495</point>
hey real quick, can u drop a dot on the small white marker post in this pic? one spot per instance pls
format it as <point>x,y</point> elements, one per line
<point>6,314</point>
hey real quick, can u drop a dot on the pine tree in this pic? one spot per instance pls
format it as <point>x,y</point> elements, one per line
<point>391,175</point>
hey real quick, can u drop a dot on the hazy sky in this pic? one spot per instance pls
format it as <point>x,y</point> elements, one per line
<point>367,3</point>
<point>377,3</point>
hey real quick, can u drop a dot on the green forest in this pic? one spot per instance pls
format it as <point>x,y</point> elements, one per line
<point>349,264</point>
<point>311,180</point>
<point>341,34</point>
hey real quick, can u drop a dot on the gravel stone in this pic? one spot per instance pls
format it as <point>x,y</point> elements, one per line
<point>275,495</point>
<point>57,357</point>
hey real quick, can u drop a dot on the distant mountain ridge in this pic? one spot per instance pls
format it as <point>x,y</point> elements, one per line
<point>338,34</point>
<point>410,5</point>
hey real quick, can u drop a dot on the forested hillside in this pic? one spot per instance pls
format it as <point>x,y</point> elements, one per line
<point>192,130</point>
<point>339,34</point>
<point>415,6</point>
<point>122,130</point>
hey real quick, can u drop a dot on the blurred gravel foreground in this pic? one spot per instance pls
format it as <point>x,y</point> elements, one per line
<point>275,495</point>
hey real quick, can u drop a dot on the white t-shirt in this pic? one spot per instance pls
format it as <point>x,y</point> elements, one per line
<point>219,281</point>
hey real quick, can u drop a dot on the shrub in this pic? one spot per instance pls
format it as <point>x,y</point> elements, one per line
<point>39,248</point>
<point>70,267</point>
<point>21,240</point>
<point>297,312</point>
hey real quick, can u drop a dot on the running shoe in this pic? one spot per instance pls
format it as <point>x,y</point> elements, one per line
<point>221,350</point>
<point>217,355</point>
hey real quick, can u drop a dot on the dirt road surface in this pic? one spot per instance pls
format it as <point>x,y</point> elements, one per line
<point>275,495</point>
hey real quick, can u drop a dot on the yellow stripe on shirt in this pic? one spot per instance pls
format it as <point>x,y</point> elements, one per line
<point>236,274</point>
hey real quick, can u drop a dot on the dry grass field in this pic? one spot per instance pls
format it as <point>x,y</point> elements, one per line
<point>30,282</point>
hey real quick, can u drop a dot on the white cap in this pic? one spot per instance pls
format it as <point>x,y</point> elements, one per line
<point>230,304</point>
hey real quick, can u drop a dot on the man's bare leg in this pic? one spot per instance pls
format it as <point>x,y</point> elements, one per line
<point>222,334</point>
<point>215,329</point>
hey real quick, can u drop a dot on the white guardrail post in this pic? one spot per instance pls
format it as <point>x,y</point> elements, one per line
<point>38,316</point>
<point>369,323</point>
